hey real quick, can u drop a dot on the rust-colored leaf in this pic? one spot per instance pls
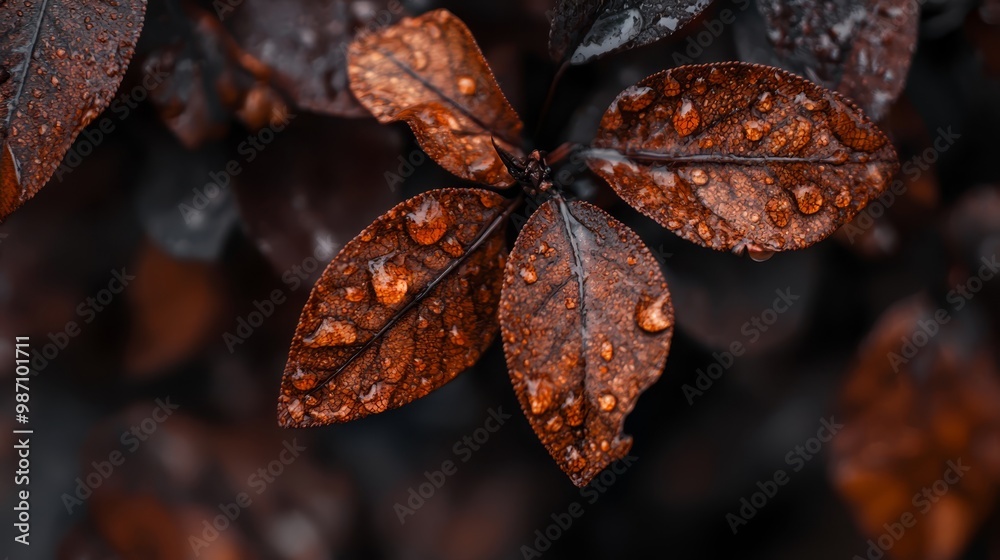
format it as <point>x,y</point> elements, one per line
<point>861,48</point>
<point>174,307</point>
<point>587,321</point>
<point>429,72</point>
<point>61,62</point>
<point>304,43</point>
<point>586,30</point>
<point>401,310</point>
<point>741,156</point>
<point>921,406</point>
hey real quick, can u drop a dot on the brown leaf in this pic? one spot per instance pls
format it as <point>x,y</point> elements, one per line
<point>174,305</point>
<point>741,156</point>
<point>204,79</point>
<point>585,30</point>
<point>304,43</point>
<point>429,72</point>
<point>587,321</point>
<point>924,396</point>
<point>401,310</point>
<point>861,48</point>
<point>61,62</point>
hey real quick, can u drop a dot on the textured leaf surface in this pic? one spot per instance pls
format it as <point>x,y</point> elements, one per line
<point>370,339</point>
<point>585,30</point>
<point>587,321</point>
<point>429,72</point>
<point>741,156</point>
<point>861,48</point>
<point>61,62</point>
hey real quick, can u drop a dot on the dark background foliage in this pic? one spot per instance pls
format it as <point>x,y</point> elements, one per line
<point>317,184</point>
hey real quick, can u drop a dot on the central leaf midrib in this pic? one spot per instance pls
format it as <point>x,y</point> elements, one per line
<point>12,105</point>
<point>437,91</point>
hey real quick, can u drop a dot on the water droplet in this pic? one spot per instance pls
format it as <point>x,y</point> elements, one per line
<point>671,88</point>
<point>354,294</point>
<point>296,410</point>
<point>571,303</point>
<point>304,380</point>
<point>456,336</point>
<point>452,247</point>
<point>636,98</point>
<point>554,423</point>
<point>419,60</point>
<point>765,102</point>
<point>809,198</point>
<point>436,306</point>
<point>651,315</point>
<point>605,446</point>
<point>607,402</point>
<point>61,53</point>
<point>466,85</point>
<point>389,281</point>
<point>427,224</point>
<point>758,254</point>
<point>332,332</point>
<point>574,461</point>
<point>779,211</point>
<point>843,198</point>
<point>705,232</point>
<point>699,177</point>
<point>540,395</point>
<point>528,274</point>
<point>607,350</point>
<point>686,118</point>
<point>754,130</point>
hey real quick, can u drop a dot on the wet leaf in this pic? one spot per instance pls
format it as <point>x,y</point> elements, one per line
<point>304,44</point>
<point>587,321</point>
<point>861,48</point>
<point>429,72</point>
<point>741,156</point>
<point>401,310</point>
<point>923,399</point>
<point>60,64</point>
<point>585,30</point>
